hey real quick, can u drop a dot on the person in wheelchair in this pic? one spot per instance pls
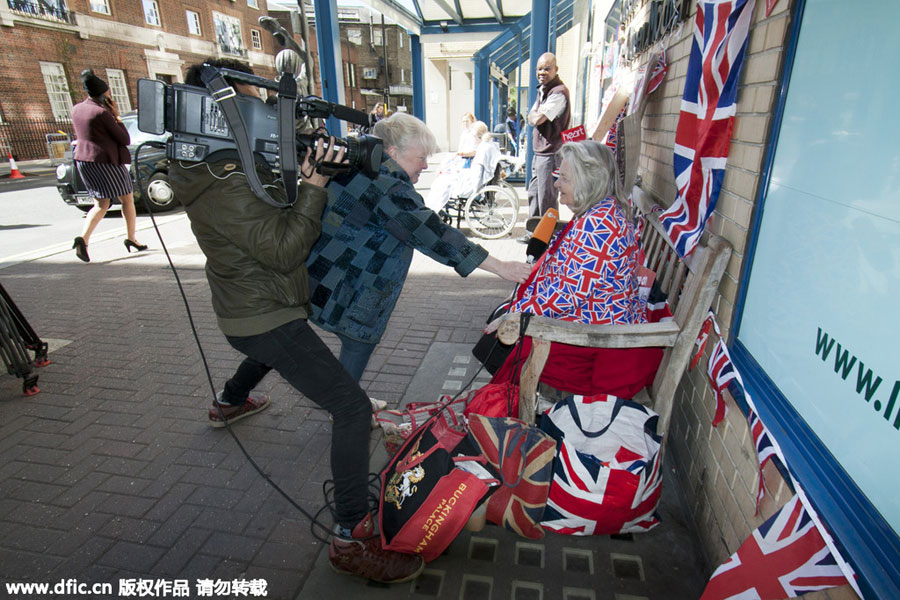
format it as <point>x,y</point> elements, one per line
<point>370,229</point>
<point>461,183</point>
<point>588,275</point>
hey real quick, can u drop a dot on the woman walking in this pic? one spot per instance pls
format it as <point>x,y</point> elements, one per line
<point>102,159</point>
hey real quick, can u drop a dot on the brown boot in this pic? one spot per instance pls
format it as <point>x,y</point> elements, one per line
<point>363,556</point>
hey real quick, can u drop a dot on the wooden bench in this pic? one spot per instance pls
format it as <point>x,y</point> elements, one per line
<point>690,284</point>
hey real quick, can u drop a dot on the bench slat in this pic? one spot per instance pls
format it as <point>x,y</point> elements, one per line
<point>593,336</point>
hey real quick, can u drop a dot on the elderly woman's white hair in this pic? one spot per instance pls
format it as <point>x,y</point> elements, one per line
<point>405,131</point>
<point>595,175</point>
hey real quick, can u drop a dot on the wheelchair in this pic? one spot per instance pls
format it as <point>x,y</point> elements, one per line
<point>491,212</point>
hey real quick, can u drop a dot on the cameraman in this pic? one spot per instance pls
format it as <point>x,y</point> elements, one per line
<point>255,264</point>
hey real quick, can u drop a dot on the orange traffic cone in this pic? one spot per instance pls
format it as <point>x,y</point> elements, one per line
<point>13,169</point>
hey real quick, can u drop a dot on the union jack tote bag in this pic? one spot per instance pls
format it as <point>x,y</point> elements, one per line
<point>606,477</point>
<point>523,456</point>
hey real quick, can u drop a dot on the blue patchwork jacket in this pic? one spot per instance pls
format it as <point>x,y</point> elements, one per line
<point>369,231</point>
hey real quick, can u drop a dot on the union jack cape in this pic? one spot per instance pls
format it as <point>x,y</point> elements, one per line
<point>708,107</point>
<point>785,558</point>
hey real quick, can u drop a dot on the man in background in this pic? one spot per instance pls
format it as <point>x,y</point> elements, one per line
<point>550,117</point>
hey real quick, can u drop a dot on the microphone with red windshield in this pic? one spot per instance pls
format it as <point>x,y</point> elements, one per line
<point>537,245</point>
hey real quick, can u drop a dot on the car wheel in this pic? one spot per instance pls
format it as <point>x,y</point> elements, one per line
<point>159,193</point>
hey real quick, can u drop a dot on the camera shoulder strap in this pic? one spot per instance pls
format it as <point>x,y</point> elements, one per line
<point>287,145</point>
<point>224,95</point>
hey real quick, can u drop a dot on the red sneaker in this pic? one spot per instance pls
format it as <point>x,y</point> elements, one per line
<point>256,401</point>
<point>363,556</point>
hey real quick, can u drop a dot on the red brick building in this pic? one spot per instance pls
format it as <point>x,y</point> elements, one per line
<point>47,43</point>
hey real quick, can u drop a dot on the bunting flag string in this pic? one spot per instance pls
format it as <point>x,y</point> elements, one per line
<point>793,560</point>
<point>703,337</point>
<point>721,372</point>
<point>785,557</point>
<point>765,449</point>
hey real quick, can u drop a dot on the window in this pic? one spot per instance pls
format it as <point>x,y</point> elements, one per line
<point>377,39</point>
<point>151,13</point>
<point>228,35</point>
<point>370,73</point>
<point>255,39</point>
<point>820,358</point>
<point>253,4</point>
<point>348,14</point>
<point>57,90</point>
<point>193,20</point>
<point>402,75</point>
<point>118,89</point>
<point>354,36</point>
<point>400,37</point>
<point>100,6</point>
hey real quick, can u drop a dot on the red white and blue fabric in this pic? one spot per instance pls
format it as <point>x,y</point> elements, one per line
<point>765,450</point>
<point>721,372</point>
<point>612,136</point>
<point>658,74</point>
<point>708,107</point>
<point>785,558</point>
<point>588,273</point>
<point>606,477</point>
<point>700,343</point>
<point>523,455</point>
<point>653,81</point>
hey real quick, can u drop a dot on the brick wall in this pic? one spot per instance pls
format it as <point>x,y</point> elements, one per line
<point>120,40</point>
<point>717,466</point>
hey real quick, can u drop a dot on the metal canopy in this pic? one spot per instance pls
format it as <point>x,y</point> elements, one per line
<point>436,16</point>
<point>510,19</point>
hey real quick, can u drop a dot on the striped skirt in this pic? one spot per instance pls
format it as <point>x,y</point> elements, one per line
<point>103,180</point>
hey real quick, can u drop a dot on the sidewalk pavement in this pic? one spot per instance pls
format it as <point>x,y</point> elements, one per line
<point>112,473</point>
<point>41,166</point>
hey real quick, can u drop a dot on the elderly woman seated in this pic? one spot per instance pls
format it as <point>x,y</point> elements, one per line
<point>588,275</point>
<point>457,183</point>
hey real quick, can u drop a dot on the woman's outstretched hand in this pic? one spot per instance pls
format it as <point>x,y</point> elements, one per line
<point>510,270</point>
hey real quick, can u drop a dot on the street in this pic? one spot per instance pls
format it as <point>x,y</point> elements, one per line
<point>36,223</point>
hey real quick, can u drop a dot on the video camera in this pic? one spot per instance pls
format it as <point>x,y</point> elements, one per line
<point>203,121</point>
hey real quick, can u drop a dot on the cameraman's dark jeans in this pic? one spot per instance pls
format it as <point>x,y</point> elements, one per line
<point>297,353</point>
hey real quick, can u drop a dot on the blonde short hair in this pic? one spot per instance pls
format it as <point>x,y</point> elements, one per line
<point>405,131</point>
<point>478,129</point>
<point>594,173</point>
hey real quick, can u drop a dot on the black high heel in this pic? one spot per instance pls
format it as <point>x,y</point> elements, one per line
<point>81,249</point>
<point>129,245</point>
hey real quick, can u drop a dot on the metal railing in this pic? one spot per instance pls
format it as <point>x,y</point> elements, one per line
<point>41,10</point>
<point>28,137</point>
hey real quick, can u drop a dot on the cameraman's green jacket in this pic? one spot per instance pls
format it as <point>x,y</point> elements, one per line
<point>255,253</point>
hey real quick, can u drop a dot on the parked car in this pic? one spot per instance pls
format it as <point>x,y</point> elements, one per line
<point>154,168</point>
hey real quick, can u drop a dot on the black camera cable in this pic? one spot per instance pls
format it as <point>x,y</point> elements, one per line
<point>313,518</point>
<point>327,486</point>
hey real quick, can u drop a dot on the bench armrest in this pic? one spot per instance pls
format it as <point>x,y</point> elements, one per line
<point>593,336</point>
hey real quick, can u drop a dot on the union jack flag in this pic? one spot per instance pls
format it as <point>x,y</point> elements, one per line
<point>785,558</point>
<point>721,372</point>
<point>658,74</point>
<point>707,116</point>
<point>765,449</point>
